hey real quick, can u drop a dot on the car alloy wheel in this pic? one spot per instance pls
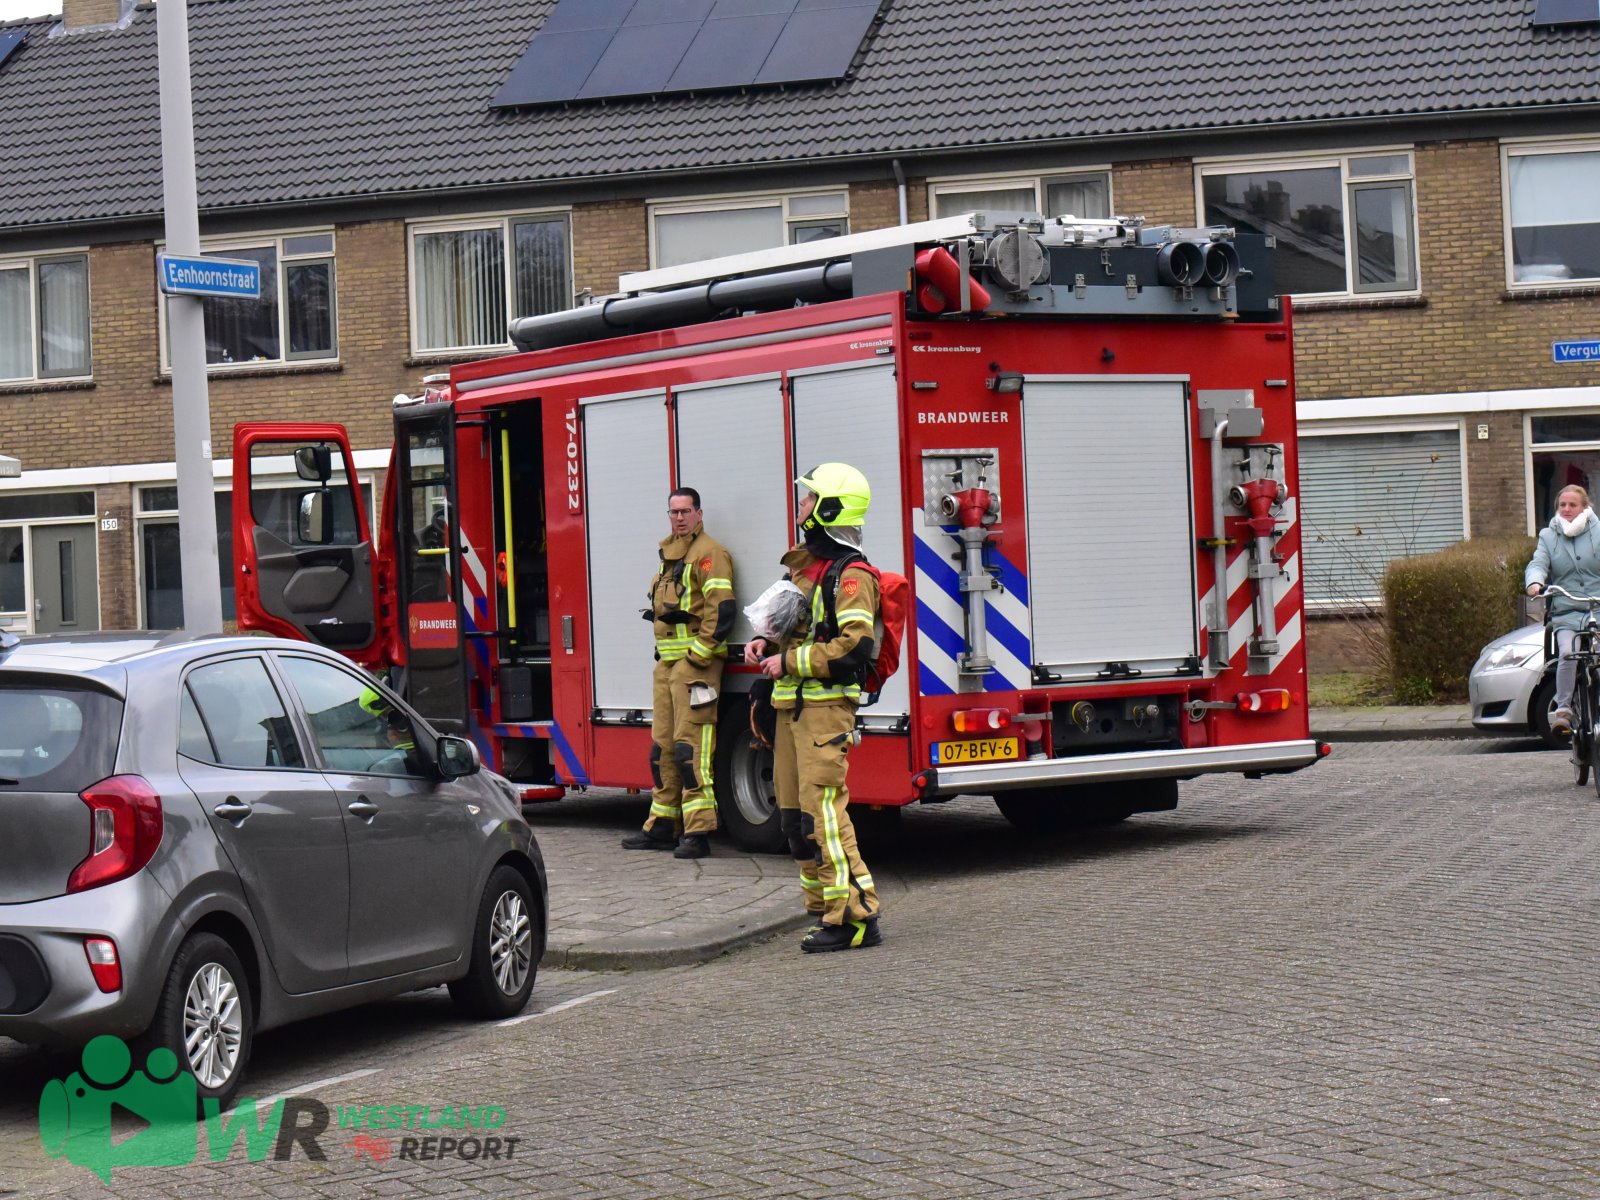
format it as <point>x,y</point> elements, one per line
<point>510,943</point>
<point>213,1025</point>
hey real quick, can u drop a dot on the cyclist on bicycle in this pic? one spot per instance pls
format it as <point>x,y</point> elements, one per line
<point>1568,556</point>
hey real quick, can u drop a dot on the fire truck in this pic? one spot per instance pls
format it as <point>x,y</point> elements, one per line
<point>1080,437</point>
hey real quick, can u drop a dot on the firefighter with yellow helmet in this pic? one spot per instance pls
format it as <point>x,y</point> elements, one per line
<point>817,671</point>
<point>692,612</point>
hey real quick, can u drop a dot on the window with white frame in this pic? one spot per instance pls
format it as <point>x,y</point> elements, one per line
<point>695,230</point>
<point>1563,449</point>
<point>471,279</point>
<point>44,317</point>
<point>1553,213</point>
<point>293,320</point>
<point>1078,194</point>
<point>1345,224</point>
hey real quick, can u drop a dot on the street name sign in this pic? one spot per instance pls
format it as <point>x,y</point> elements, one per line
<point>181,275</point>
<point>1585,351</point>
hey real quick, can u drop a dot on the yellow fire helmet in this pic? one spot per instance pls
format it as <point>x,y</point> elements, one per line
<point>843,495</point>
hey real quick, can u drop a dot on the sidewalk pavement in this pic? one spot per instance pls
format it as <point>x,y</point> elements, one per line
<point>613,909</point>
<point>1394,722</point>
<point>616,909</point>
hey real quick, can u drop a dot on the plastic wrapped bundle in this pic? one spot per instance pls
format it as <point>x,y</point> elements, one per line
<point>775,613</point>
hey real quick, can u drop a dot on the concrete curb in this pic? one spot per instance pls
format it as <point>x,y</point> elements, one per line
<point>1403,733</point>
<point>694,944</point>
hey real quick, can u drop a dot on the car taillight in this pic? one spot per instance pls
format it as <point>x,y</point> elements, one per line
<point>979,720</point>
<point>104,964</point>
<point>124,830</point>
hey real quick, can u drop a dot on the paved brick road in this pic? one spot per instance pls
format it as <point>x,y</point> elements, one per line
<point>1373,979</point>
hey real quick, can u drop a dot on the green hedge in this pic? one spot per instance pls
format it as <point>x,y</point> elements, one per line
<point>1441,609</point>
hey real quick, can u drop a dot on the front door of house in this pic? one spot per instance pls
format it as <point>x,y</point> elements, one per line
<point>66,590</point>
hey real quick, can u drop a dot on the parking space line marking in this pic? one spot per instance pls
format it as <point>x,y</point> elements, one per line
<point>317,1085</point>
<point>555,1008</point>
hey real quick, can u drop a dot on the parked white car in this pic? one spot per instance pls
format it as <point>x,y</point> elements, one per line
<point>1512,687</point>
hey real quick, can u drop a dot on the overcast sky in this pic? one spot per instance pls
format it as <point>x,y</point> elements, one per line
<point>13,10</point>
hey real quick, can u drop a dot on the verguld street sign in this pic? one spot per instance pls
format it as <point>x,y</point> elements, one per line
<point>1585,351</point>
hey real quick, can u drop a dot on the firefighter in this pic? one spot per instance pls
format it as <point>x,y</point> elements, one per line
<point>817,671</point>
<point>692,610</point>
<point>397,731</point>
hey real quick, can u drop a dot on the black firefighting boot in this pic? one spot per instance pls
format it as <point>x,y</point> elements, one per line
<point>852,935</point>
<point>693,845</point>
<point>647,839</point>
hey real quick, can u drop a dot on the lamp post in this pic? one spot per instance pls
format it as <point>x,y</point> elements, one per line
<point>191,402</point>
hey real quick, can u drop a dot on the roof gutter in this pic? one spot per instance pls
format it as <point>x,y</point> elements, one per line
<point>1135,138</point>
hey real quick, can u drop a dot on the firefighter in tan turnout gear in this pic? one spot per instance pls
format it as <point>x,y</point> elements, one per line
<point>692,611</point>
<point>817,672</point>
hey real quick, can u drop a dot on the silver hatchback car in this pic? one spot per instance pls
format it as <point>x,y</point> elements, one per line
<point>203,837</point>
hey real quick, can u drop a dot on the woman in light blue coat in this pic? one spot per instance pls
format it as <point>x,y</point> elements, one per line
<point>1568,556</point>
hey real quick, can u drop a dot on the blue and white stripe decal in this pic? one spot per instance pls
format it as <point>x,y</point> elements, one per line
<point>941,617</point>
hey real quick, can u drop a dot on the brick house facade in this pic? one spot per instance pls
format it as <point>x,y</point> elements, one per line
<point>1430,411</point>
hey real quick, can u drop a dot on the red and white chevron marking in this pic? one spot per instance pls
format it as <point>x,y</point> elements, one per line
<point>1241,599</point>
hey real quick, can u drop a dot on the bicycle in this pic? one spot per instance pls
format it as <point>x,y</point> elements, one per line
<point>1585,701</point>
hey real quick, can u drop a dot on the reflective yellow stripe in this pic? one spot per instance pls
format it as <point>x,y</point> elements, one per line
<point>693,806</point>
<point>718,585</point>
<point>662,810</point>
<point>833,847</point>
<point>854,615</point>
<point>811,883</point>
<point>816,689</point>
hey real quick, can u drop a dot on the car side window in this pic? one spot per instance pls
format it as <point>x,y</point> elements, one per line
<point>357,727</point>
<point>243,722</point>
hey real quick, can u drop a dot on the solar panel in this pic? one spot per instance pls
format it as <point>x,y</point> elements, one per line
<point>640,58</point>
<point>728,52</point>
<point>600,49</point>
<point>9,42</point>
<point>1566,12</point>
<point>818,42</point>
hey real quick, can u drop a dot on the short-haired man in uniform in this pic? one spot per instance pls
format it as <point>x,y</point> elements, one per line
<point>818,671</point>
<point>692,611</point>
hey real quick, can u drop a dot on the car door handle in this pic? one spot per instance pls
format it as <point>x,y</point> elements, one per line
<point>365,809</point>
<point>233,809</point>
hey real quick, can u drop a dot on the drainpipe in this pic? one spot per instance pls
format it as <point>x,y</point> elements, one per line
<point>900,183</point>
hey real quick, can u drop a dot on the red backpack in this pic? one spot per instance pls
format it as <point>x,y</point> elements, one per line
<point>888,630</point>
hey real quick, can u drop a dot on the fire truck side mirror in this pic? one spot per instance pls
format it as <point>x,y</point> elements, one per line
<point>314,464</point>
<point>313,524</point>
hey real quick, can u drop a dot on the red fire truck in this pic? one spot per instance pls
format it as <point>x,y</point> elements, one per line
<point>1080,437</point>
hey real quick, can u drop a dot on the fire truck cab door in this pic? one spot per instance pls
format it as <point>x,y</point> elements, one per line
<point>304,562</point>
<point>428,564</point>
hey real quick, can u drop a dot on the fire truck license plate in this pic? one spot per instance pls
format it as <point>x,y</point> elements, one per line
<point>977,750</point>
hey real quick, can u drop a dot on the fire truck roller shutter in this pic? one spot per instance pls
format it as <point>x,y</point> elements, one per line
<point>730,447</point>
<point>626,483</point>
<point>1111,549</point>
<point>851,414</point>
